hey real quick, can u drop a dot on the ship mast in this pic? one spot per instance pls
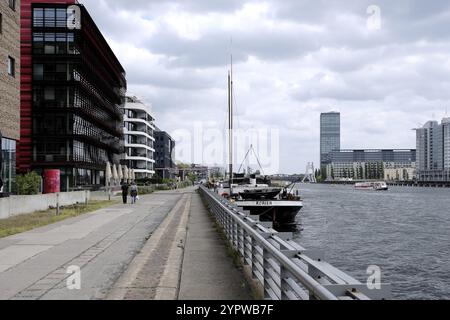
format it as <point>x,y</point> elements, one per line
<point>230,122</point>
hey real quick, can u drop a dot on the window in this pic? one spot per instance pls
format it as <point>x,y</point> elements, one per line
<point>49,47</point>
<point>38,17</point>
<point>49,16</point>
<point>61,17</point>
<point>38,72</point>
<point>38,43</point>
<point>11,66</point>
<point>12,4</point>
<point>53,43</point>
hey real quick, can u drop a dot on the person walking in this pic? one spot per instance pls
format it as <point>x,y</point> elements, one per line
<point>134,192</point>
<point>125,192</point>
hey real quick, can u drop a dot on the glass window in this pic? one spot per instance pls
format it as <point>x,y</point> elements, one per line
<point>61,97</point>
<point>71,43</point>
<point>38,43</point>
<point>61,17</point>
<point>12,4</point>
<point>38,17</point>
<point>49,72</point>
<point>61,45</point>
<point>49,47</point>
<point>8,174</point>
<point>49,93</point>
<point>11,66</point>
<point>38,96</point>
<point>38,71</point>
<point>61,72</point>
<point>49,16</point>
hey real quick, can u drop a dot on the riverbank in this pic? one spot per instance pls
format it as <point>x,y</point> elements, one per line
<point>414,184</point>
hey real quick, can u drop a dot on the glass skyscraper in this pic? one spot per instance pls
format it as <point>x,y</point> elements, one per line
<point>433,151</point>
<point>330,135</point>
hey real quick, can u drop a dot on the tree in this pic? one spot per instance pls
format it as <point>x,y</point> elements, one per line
<point>28,184</point>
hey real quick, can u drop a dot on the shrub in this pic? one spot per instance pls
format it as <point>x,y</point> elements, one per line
<point>28,184</point>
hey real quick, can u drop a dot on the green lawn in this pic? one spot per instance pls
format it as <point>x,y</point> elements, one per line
<point>26,222</point>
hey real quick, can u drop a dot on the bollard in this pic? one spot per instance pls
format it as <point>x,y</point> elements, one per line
<point>57,204</point>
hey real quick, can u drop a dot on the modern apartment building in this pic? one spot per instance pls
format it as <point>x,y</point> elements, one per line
<point>371,164</point>
<point>330,135</point>
<point>165,155</point>
<point>433,151</point>
<point>72,91</point>
<point>9,90</point>
<point>139,124</point>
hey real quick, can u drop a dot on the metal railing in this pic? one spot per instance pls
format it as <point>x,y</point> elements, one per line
<point>281,267</point>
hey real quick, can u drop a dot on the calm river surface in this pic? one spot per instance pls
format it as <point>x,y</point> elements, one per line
<point>405,231</point>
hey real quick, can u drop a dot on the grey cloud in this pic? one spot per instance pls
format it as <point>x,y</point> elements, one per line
<point>397,74</point>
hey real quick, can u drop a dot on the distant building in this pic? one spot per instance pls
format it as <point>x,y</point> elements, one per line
<point>200,172</point>
<point>330,135</point>
<point>9,90</point>
<point>139,124</point>
<point>216,172</point>
<point>433,151</point>
<point>72,90</point>
<point>371,165</point>
<point>165,155</point>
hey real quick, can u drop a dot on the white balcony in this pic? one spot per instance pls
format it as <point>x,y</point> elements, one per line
<point>139,133</point>
<point>139,146</point>
<point>138,158</point>
<point>142,121</point>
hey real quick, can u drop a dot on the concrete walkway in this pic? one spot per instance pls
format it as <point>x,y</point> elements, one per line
<point>208,272</point>
<point>163,248</point>
<point>184,259</point>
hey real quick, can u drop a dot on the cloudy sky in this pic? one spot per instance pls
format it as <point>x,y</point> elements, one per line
<point>293,59</point>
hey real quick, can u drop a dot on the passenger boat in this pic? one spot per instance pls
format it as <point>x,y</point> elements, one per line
<point>377,186</point>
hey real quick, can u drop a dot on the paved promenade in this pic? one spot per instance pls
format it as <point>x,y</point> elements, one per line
<point>162,248</point>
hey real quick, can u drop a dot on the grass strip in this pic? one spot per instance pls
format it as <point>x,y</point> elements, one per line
<point>27,222</point>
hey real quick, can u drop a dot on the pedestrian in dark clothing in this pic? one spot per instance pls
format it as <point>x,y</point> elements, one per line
<point>125,188</point>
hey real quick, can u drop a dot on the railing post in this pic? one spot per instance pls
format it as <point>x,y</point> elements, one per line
<point>264,274</point>
<point>253,258</point>
<point>282,283</point>
<point>243,244</point>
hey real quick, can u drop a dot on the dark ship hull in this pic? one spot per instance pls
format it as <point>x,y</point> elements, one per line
<point>280,212</point>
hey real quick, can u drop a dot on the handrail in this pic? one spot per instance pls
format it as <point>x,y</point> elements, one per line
<point>282,267</point>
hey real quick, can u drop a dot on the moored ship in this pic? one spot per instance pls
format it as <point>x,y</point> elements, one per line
<point>277,205</point>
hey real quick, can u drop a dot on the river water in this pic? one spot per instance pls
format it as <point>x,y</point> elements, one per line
<point>404,231</point>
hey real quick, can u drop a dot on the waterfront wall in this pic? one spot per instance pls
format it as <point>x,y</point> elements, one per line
<point>17,205</point>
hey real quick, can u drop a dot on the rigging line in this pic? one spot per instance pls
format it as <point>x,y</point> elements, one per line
<point>246,156</point>
<point>259,163</point>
